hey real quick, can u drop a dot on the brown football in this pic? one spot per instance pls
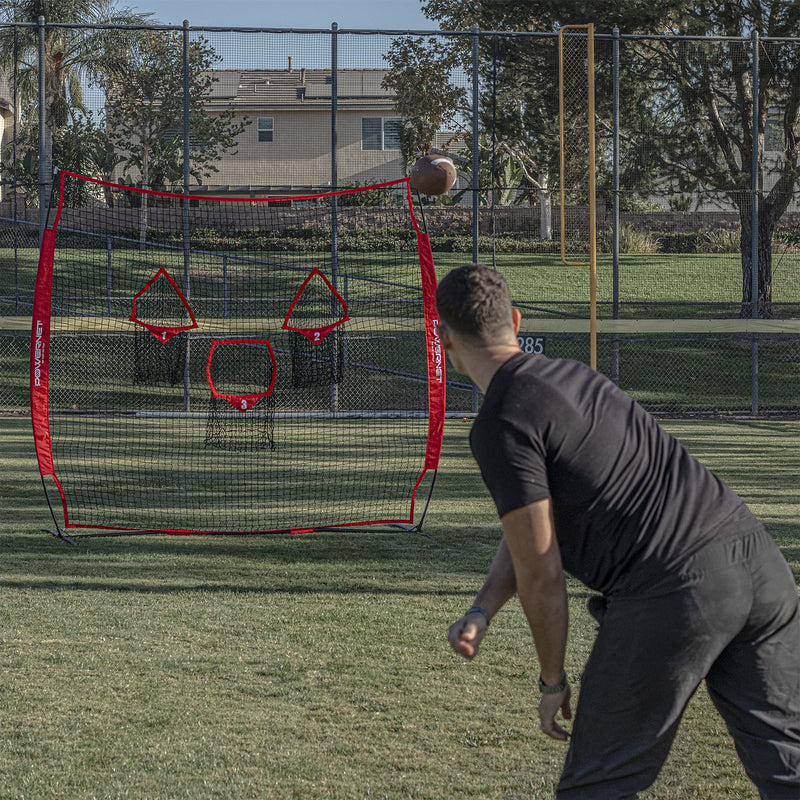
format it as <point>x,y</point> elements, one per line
<point>433,174</point>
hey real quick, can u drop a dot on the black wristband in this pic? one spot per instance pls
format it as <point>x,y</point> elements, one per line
<point>554,688</point>
<point>479,610</point>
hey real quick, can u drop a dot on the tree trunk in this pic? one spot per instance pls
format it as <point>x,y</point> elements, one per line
<point>545,214</point>
<point>46,165</point>
<point>766,226</point>
<point>143,208</point>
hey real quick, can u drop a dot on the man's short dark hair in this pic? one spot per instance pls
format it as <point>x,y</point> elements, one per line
<point>474,301</point>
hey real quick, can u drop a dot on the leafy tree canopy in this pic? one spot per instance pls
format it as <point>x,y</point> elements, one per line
<point>688,104</point>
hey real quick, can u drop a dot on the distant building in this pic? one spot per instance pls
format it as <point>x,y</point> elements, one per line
<point>286,147</point>
<point>288,143</point>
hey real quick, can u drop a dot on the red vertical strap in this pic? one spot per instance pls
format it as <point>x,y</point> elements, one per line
<point>436,361</point>
<point>40,354</point>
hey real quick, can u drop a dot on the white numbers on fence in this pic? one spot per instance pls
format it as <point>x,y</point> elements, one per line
<point>531,344</point>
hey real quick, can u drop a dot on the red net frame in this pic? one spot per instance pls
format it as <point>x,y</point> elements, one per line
<point>43,413</point>
<point>315,335</point>
<point>241,402</point>
<point>163,333</point>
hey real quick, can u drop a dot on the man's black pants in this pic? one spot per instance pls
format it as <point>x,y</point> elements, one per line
<point>730,617</point>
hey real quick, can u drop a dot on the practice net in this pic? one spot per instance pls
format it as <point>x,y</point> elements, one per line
<point>234,365</point>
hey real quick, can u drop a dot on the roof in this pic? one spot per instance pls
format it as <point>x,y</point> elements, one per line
<point>295,88</point>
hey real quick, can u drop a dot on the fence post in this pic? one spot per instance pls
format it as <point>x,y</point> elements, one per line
<point>475,150</point>
<point>615,201</point>
<point>754,187</point>
<point>494,187</point>
<point>15,106</point>
<point>186,130</point>
<point>109,255</point>
<point>225,287</point>
<point>334,187</point>
<point>334,106</point>
<point>45,165</point>
<point>475,168</point>
<point>185,204</point>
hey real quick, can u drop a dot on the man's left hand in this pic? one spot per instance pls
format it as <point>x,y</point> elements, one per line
<point>549,706</point>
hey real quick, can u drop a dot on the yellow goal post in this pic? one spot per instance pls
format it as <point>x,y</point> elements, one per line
<point>589,144</point>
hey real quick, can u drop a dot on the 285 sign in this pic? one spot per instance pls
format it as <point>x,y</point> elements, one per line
<point>530,343</point>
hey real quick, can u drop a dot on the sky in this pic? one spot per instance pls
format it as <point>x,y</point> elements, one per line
<point>318,14</point>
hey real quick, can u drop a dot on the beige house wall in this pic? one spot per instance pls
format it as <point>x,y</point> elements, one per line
<point>364,166</point>
<point>299,155</point>
<point>299,103</point>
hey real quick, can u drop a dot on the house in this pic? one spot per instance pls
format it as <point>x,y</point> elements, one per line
<point>286,147</point>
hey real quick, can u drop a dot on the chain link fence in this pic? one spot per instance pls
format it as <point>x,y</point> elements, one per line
<point>698,209</point>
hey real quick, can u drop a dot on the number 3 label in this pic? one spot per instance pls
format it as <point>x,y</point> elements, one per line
<point>531,344</point>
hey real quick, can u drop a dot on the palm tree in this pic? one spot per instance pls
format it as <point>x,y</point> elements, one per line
<point>71,55</point>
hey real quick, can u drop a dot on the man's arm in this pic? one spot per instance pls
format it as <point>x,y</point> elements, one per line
<point>531,537</point>
<point>466,634</point>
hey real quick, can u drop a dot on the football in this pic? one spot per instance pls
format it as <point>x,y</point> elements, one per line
<point>433,174</point>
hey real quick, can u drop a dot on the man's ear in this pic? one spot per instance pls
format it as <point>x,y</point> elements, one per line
<point>444,337</point>
<point>516,317</point>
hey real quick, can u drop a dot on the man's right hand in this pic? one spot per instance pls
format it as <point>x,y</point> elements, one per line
<point>466,634</point>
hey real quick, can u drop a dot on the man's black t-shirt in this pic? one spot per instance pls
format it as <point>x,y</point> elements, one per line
<point>628,500</point>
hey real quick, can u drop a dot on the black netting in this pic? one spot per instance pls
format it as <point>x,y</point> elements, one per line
<point>240,432</point>
<point>318,364</point>
<point>242,384</point>
<point>158,362</point>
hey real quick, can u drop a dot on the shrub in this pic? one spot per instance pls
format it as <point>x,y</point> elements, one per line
<point>675,242</point>
<point>631,240</point>
<point>721,241</point>
<point>787,240</point>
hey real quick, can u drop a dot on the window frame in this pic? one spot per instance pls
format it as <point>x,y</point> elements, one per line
<point>382,148</point>
<point>266,130</point>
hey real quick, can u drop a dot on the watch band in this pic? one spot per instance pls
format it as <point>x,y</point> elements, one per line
<point>479,610</point>
<point>554,688</point>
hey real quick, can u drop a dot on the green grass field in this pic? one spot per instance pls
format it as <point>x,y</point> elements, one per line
<point>644,278</point>
<point>312,666</point>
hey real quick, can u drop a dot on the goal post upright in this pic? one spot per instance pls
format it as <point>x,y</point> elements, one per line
<point>591,178</point>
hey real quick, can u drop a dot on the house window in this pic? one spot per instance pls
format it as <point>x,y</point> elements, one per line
<point>380,133</point>
<point>266,127</point>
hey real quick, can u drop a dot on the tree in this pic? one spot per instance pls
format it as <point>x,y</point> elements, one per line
<point>82,145</point>
<point>705,117</point>
<point>688,103</point>
<point>424,96</point>
<point>71,55</point>
<point>145,109</point>
<point>519,100</point>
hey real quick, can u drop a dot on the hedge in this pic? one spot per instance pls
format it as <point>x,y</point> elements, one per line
<point>299,240</point>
